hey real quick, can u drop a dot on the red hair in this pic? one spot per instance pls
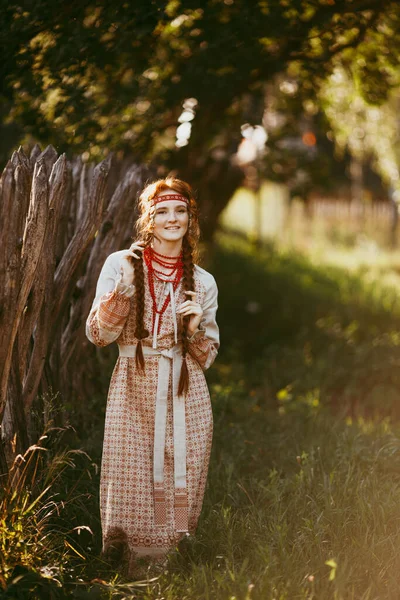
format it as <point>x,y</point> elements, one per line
<point>144,231</point>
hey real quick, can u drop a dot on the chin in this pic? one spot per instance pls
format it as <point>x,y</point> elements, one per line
<point>173,235</point>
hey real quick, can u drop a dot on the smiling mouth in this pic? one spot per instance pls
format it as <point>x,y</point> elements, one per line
<point>172,227</point>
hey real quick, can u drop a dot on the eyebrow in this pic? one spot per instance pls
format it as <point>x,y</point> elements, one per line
<point>179,206</point>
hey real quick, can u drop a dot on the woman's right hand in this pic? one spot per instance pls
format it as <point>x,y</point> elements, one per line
<point>127,271</point>
<point>135,248</point>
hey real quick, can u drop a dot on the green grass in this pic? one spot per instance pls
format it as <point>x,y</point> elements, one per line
<point>303,496</point>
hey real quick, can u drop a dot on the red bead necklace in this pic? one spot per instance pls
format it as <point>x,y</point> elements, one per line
<point>165,256</point>
<point>175,269</point>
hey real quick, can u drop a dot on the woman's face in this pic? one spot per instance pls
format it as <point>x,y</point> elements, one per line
<point>171,219</point>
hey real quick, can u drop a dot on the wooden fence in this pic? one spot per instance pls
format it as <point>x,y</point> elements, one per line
<point>376,220</point>
<point>271,215</point>
<point>59,220</point>
<point>381,212</point>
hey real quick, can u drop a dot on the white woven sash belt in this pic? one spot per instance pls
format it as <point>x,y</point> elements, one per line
<point>168,358</point>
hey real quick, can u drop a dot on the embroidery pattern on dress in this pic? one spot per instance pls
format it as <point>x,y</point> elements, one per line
<point>127,499</point>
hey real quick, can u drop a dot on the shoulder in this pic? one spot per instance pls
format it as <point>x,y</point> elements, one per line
<point>205,277</point>
<point>115,259</point>
<point>117,256</point>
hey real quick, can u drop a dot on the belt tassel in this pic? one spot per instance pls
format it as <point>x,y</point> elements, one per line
<point>168,358</point>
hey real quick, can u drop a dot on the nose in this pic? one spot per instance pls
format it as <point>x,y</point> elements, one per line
<point>172,216</point>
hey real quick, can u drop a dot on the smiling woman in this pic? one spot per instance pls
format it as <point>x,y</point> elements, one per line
<point>171,220</point>
<point>160,307</point>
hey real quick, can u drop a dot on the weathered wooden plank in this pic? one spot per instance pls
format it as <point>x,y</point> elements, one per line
<point>34,155</point>
<point>85,182</point>
<point>8,287</point>
<point>48,157</point>
<point>66,273</point>
<point>61,220</point>
<point>45,289</point>
<point>119,217</point>
<point>6,200</point>
<point>33,239</point>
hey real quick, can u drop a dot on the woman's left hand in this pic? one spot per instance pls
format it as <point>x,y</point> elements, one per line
<point>192,309</point>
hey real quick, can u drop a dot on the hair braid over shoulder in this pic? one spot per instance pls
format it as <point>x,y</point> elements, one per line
<point>140,331</point>
<point>188,285</point>
<point>144,231</point>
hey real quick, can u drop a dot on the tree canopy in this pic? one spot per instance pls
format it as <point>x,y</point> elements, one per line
<point>173,81</point>
<point>87,75</point>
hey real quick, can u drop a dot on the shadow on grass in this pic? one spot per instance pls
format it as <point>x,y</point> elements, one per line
<point>286,324</point>
<point>299,504</point>
<point>267,297</point>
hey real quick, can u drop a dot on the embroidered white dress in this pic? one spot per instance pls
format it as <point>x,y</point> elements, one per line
<point>157,445</point>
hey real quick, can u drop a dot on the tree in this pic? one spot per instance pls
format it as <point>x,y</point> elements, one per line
<point>98,76</point>
<point>366,130</point>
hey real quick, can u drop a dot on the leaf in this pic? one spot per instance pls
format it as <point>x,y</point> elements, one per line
<point>37,499</point>
<point>333,564</point>
<point>78,528</point>
<point>74,549</point>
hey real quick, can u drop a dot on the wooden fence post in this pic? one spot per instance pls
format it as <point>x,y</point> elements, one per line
<point>57,225</point>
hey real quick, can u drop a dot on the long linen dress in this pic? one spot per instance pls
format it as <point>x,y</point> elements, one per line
<point>129,489</point>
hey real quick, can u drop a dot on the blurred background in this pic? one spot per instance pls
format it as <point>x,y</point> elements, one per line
<point>284,117</point>
<point>295,101</point>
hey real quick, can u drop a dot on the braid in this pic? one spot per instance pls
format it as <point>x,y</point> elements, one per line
<point>140,331</point>
<point>188,285</point>
<point>145,231</point>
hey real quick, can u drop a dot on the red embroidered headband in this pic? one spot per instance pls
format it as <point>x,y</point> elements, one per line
<point>158,199</point>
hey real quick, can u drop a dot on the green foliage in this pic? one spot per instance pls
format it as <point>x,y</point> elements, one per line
<point>288,495</point>
<point>366,130</point>
<point>41,536</point>
<point>101,75</point>
<point>302,497</point>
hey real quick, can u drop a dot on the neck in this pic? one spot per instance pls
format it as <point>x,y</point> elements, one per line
<point>171,249</point>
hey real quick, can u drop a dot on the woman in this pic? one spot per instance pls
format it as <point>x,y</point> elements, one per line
<point>160,307</point>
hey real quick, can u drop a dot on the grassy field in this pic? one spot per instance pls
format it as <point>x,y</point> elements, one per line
<point>303,497</point>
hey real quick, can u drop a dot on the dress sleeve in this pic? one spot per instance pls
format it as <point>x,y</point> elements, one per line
<point>110,307</point>
<point>204,343</point>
